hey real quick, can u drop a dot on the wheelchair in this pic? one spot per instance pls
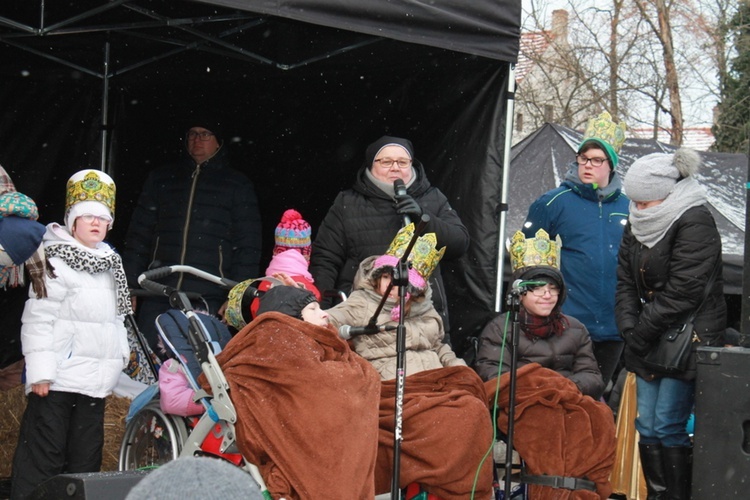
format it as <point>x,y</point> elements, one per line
<point>153,437</point>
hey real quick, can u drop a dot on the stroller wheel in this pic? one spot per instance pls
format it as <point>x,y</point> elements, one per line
<point>152,438</point>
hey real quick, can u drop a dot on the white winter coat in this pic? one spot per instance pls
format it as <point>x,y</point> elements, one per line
<point>74,337</point>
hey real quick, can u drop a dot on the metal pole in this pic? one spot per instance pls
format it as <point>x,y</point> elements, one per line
<point>105,109</point>
<point>510,110</point>
<point>745,323</point>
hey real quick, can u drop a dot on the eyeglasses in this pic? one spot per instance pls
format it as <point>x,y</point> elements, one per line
<point>541,290</point>
<point>595,162</point>
<point>203,136</point>
<point>89,218</point>
<point>388,162</point>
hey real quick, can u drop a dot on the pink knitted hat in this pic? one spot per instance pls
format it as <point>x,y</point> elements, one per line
<point>293,232</point>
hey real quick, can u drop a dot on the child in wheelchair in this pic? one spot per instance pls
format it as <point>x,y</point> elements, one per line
<point>281,406</point>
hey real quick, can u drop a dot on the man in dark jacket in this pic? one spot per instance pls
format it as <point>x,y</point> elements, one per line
<point>364,219</point>
<point>198,212</point>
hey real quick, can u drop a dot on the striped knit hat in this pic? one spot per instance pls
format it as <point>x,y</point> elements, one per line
<point>293,232</point>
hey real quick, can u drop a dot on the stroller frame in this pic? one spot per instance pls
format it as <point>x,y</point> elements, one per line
<point>220,410</point>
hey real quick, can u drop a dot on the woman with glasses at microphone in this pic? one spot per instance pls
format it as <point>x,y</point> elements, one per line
<point>548,337</point>
<point>364,218</point>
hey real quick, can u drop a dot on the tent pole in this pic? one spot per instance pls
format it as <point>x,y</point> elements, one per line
<point>105,107</point>
<point>509,114</point>
<point>745,305</point>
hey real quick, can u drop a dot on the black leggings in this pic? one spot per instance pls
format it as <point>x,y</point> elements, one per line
<point>607,356</point>
<point>60,433</point>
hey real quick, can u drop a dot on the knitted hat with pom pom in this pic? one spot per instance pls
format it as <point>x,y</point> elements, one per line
<point>654,176</point>
<point>293,232</point>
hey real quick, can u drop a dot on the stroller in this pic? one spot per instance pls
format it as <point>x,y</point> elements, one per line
<point>153,437</point>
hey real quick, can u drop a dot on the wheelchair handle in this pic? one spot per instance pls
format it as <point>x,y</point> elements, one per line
<point>147,279</point>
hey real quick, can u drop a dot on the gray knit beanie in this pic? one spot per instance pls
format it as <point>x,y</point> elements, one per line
<point>196,477</point>
<point>653,176</point>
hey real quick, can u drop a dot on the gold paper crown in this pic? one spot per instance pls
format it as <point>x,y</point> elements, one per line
<point>537,251</point>
<point>602,127</point>
<point>91,185</point>
<point>424,256</point>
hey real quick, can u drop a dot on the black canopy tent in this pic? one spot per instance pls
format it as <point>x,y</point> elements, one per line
<point>301,87</point>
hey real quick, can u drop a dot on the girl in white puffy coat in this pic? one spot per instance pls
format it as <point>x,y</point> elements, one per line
<point>73,339</point>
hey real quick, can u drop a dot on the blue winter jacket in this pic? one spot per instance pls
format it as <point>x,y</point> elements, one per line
<point>590,223</point>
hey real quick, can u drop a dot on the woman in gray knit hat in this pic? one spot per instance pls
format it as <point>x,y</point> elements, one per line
<point>669,267</point>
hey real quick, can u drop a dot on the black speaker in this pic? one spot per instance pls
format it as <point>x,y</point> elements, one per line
<point>721,451</point>
<point>88,486</point>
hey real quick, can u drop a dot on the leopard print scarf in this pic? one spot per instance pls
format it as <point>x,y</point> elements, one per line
<point>81,260</point>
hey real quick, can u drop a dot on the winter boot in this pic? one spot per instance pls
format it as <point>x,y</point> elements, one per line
<point>653,470</point>
<point>677,471</point>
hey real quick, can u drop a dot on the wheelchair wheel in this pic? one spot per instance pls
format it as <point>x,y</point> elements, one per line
<point>151,438</point>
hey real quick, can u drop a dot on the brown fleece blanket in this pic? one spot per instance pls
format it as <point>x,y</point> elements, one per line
<point>307,408</point>
<point>558,431</point>
<point>446,430</point>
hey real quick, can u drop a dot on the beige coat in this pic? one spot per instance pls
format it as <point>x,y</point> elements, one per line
<point>425,349</point>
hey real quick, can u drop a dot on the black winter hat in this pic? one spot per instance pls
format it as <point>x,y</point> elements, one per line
<point>548,274</point>
<point>288,300</point>
<point>374,148</point>
<point>208,122</point>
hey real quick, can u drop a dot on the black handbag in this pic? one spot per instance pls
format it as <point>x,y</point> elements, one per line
<point>672,353</point>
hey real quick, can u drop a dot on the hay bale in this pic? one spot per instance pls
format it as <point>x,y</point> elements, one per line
<point>13,404</point>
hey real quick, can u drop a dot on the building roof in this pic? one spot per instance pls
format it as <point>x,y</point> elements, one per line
<point>532,46</point>
<point>697,138</point>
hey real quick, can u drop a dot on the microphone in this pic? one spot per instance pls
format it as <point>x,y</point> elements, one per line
<point>520,287</point>
<point>400,189</point>
<point>347,331</point>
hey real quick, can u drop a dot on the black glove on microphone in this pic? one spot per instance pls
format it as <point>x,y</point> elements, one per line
<point>406,205</point>
<point>635,342</point>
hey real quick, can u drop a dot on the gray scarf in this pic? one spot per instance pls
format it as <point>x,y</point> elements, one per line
<point>651,224</point>
<point>387,187</point>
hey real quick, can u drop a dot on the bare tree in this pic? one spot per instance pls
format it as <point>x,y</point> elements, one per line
<point>632,56</point>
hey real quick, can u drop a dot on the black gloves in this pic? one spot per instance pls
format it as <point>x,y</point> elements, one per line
<point>635,342</point>
<point>406,205</point>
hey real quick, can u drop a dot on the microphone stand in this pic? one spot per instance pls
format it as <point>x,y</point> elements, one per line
<point>514,303</point>
<point>400,278</point>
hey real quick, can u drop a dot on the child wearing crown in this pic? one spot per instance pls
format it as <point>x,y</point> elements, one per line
<point>425,349</point>
<point>589,211</point>
<point>548,337</point>
<point>559,430</point>
<point>439,387</point>
<point>74,340</point>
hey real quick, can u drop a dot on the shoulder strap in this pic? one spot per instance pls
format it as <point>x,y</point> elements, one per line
<point>706,290</point>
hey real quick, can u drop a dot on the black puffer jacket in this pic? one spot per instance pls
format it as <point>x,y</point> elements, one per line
<point>205,216</point>
<point>363,221</point>
<point>672,278</point>
<point>570,354</point>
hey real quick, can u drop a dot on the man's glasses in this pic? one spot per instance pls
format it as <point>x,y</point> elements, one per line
<point>89,218</point>
<point>541,290</point>
<point>388,162</point>
<point>203,136</point>
<point>595,162</point>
